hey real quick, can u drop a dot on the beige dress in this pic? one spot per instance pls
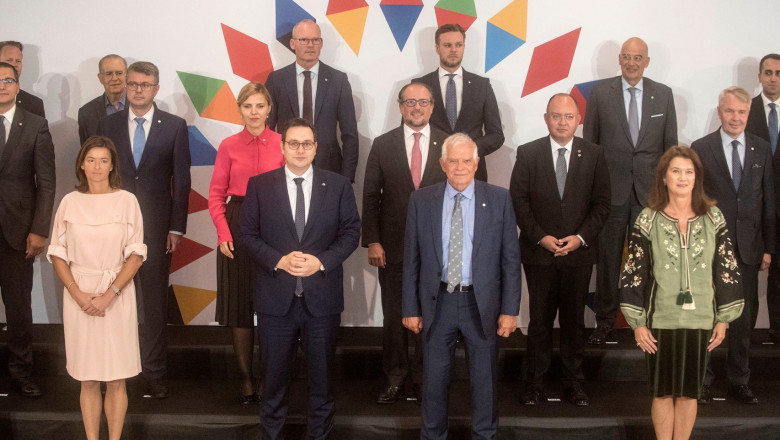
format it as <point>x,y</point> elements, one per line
<point>94,234</point>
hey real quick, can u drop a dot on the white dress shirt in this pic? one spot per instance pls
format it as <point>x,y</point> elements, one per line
<point>315,71</point>
<point>555,147</point>
<point>131,125</point>
<point>727,148</point>
<point>9,117</point>
<point>425,139</point>
<point>767,109</point>
<point>444,79</point>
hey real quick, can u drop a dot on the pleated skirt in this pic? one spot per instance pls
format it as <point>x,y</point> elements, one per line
<point>234,277</point>
<point>678,367</point>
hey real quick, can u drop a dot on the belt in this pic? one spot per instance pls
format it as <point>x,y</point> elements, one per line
<point>459,287</point>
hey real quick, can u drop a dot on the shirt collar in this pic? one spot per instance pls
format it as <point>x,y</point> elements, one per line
<point>314,69</point>
<point>767,101</point>
<point>122,100</point>
<point>639,86</point>
<point>408,131</point>
<point>443,72</point>
<point>10,113</point>
<point>246,137</point>
<point>148,116</point>
<point>468,193</point>
<point>554,145</point>
<point>726,139</point>
<point>308,175</point>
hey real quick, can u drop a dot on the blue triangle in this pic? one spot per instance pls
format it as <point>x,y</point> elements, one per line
<point>585,87</point>
<point>401,19</point>
<point>498,45</point>
<point>201,151</point>
<point>288,14</point>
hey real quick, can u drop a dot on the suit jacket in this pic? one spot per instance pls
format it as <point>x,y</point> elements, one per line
<point>541,211</point>
<point>90,115</point>
<point>333,107</point>
<point>606,124</point>
<point>27,179</point>
<point>478,117</point>
<point>749,212</point>
<point>495,255</point>
<point>161,182</point>
<point>756,124</point>
<point>31,103</point>
<point>387,186</point>
<point>267,233</point>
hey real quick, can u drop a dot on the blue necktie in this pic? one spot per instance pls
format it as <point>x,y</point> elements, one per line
<point>452,102</point>
<point>139,141</point>
<point>736,165</point>
<point>772,124</point>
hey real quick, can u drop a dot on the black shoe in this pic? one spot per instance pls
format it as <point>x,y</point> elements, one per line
<point>705,397</point>
<point>743,394</point>
<point>774,337</point>
<point>157,389</point>
<point>27,387</point>
<point>531,396</point>
<point>576,396</point>
<point>389,395</point>
<point>599,335</point>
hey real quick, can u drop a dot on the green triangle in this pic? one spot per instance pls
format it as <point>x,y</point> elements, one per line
<point>201,89</point>
<point>465,7</point>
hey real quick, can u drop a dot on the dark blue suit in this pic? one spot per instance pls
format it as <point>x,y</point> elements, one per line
<point>161,183</point>
<point>268,233</point>
<point>496,290</point>
<point>333,109</point>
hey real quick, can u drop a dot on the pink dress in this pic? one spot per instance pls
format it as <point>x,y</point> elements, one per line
<point>95,234</point>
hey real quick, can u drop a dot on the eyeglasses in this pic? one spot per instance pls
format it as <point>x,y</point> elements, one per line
<point>413,102</point>
<point>8,81</point>
<point>307,145</point>
<point>628,57</point>
<point>557,117</point>
<point>143,86</point>
<point>308,41</point>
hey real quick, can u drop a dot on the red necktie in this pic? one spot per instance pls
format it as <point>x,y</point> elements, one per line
<point>416,165</point>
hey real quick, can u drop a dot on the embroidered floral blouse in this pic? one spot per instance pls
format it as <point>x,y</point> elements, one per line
<point>673,281</point>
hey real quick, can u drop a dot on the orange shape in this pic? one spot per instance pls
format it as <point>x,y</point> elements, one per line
<point>223,107</point>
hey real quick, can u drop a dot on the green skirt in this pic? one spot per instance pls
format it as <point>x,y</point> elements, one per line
<point>678,367</point>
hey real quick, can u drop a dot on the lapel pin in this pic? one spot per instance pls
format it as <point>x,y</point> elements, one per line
<point>326,79</point>
<point>434,142</point>
<point>323,183</point>
<point>20,124</point>
<point>484,204</point>
<point>652,97</point>
<point>159,121</point>
<point>469,81</point>
<point>751,148</point>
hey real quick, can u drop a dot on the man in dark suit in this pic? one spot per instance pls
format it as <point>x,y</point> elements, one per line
<point>312,90</point>
<point>560,190</point>
<point>402,160</point>
<point>634,120</point>
<point>154,153</point>
<point>28,184</point>
<point>464,102</point>
<point>298,224</point>
<point>764,113</point>
<point>111,74</point>
<point>461,275</point>
<point>11,53</point>
<point>738,174</point>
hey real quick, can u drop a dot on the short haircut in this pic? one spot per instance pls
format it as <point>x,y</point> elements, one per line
<point>8,66</point>
<point>558,95</point>
<point>299,122</point>
<point>449,27</point>
<point>305,20</point>
<point>15,44</point>
<point>737,92</point>
<point>110,56</point>
<point>253,88</point>
<point>145,68</point>
<point>771,56</point>
<point>97,142</point>
<point>659,194</point>
<point>457,139</point>
<point>403,89</point>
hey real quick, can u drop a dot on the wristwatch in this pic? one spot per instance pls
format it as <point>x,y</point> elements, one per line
<point>116,290</point>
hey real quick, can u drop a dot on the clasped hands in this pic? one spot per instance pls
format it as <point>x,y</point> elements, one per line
<point>94,304</point>
<point>560,246</point>
<point>299,264</point>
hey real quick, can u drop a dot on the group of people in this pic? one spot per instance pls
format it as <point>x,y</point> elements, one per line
<point>700,224</point>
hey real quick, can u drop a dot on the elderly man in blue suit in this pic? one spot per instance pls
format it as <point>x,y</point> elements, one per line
<point>298,224</point>
<point>461,274</point>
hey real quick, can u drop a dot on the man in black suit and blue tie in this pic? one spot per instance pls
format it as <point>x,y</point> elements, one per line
<point>461,275</point>
<point>298,225</point>
<point>154,156</point>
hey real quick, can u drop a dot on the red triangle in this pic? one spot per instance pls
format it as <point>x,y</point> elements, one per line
<point>197,202</point>
<point>401,2</point>
<point>445,16</point>
<point>187,252</point>
<point>336,6</point>
<point>580,100</point>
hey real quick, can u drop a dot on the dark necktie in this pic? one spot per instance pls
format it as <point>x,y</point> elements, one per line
<point>2,135</point>
<point>300,224</point>
<point>736,165</point>
<point>452,102</point>
<point>560,170</point>
<point>416,163</point>
<point>772,124</point>
<point>308,111</point>
<point>139,141</point>
<point>633,116</point>
<point>455,252</point>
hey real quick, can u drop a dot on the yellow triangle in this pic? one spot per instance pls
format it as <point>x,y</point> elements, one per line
<point>192,301</point>
<point>513,19</point>
<point>350,24</point>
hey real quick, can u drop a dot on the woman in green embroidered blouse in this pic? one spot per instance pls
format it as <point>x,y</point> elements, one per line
<point>679,288</point>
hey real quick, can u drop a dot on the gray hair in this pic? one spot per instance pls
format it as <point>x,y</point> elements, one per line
<point>737,92</point>
<point>457,139</point>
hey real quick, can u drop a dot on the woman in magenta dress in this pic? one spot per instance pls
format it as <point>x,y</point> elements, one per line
<point>254,150</point>
<point>96,249</point>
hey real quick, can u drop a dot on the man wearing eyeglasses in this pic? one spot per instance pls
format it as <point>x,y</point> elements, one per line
<point>11,53</point>
<point>28,183</point>
<point>465,102</point>
<point>401,161</point>
<point>154,155</point>
<point>298,225</point>
<point>111,74</point>
<point>561,195</point>
<point>634,119</point>
<point>314,91</point>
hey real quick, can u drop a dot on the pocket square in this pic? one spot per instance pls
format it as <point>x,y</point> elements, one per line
<point>756,165</point>
<point>657,116</point>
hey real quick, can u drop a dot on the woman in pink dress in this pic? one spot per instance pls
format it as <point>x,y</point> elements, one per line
<point>254,150</point>
<point>96,249</point>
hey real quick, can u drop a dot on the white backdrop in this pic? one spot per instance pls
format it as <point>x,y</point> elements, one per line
<point>696,48</point>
